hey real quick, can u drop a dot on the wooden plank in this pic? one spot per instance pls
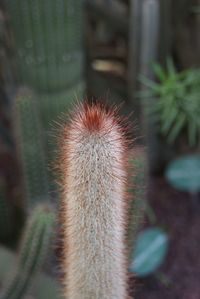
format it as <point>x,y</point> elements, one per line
<point>113,17</point>
<point>165,31</point>
<point>149,54</point>
<point>134,47</point>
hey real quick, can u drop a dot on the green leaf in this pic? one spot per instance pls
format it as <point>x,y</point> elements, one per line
<point>192,132</point>
<point>144,94</point>
<point>149,83</point>
<point>168,122</point>
<point>184,173</point>
<point>150,251</point>
<point>180,122</point>
<point>171,68</point>
<point>178,101</point>
<point>159,72</point>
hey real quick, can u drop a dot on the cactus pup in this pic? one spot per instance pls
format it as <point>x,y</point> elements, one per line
<point>33,251</point>
<point>93,166</point>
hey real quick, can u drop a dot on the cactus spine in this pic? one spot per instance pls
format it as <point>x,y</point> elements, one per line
<point>32,254</point>
<point>93,213</point>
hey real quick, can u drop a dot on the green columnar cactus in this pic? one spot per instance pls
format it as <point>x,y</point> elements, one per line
<point>94,205</point>
<point>47,35</point>
<point>44,285</point>
<point>51,108</point>
<point>31,147</point>
<point>33,251</point>
<point>35,115</point>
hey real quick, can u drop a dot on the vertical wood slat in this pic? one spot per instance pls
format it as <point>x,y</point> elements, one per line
<point>149,36</point>
<point>165,31</point>
<point>149,53</point>
<point>134,44</point>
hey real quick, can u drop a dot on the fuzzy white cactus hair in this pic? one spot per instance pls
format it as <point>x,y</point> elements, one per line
<point>93,166</point>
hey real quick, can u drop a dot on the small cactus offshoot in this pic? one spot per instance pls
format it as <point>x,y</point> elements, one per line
<point>32,254</point>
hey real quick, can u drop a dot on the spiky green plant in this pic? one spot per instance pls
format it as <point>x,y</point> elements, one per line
<point>48,37</point>
<point>33,251</point>
<point>177,108</point>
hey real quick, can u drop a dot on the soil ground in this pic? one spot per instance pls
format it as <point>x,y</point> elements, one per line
<point>176,212</point>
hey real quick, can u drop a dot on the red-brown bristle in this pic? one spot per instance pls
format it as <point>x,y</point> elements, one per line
<point>93,116</point>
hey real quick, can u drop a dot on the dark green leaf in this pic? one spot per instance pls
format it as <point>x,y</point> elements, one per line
<point>180,122</point>
<point>184,173</point>
<point>192,132</point>
<point>168,122</point>
<point>159,72</point>
<point>171,68</point>
<point>150,251</point>
<point>149,83</point>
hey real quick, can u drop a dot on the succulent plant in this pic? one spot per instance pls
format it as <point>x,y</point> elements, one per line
<point>93,166</point>
<point>33,251</point>
<point>178,102</point>
<point>44,285</point>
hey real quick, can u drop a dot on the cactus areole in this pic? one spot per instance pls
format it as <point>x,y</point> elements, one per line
<point>93,165</point>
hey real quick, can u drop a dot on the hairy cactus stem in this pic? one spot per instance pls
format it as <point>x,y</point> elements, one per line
<point>93,165</point>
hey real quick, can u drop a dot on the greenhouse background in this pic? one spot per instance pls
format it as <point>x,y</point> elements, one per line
<point>140,55</point>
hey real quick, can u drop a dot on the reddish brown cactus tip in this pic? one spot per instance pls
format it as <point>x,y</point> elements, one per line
<point>95,117</point>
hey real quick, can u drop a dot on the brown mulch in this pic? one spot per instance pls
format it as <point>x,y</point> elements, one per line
<point>180,216</point>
